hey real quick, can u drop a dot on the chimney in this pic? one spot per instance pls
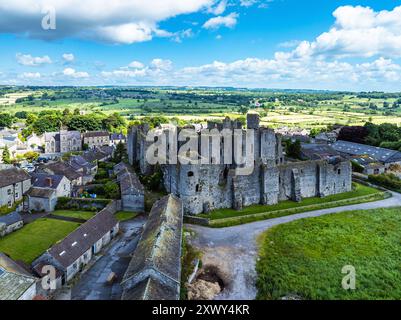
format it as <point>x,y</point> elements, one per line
<point>49,182</point>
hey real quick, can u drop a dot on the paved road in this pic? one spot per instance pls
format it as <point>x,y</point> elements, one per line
<point>92,283</point>
<point>234,249</point>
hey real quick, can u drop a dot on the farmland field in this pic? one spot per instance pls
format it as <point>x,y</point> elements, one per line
<point>277,108</point>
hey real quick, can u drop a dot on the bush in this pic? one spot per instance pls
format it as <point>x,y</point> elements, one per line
<point>65,203</point>
<point>387,180</point>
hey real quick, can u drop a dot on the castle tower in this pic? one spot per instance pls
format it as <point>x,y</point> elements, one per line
<point>253,120</point>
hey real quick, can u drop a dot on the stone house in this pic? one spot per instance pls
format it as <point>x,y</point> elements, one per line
<point>131,189</point>
<point>45,191</point>
<point>14,183</point>
<point>63,141</point>
<point>96,139</point>
<point>74,252</point>
<point>10,223</point>
<point>154,272</point>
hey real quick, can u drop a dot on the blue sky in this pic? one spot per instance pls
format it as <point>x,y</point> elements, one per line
<point>338,45</point>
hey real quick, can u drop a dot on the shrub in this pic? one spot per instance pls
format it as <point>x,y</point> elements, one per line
<point>388,180</point>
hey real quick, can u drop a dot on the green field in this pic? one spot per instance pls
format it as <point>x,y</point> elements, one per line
<point>305,258</point>
<point>86,215</point>
<point>125,215</point>
<point>35,238</point>
<point>359,191</point>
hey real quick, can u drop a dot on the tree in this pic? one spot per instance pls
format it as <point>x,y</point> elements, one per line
<point>112,190</point>
<point>6,120</point>
<point>293,149</point>
<point>6,156</point>
<point>31,156</point>
<point>120,154</point>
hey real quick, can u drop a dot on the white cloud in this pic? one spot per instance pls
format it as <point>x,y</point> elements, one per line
<point>162,65</point>
<point>357,32</point>
<point>136,65</point>
<point>228,21</point>
<point>68,57</point>
<point>70,72</point>
<point>29,75</point>
<point>219,8</point>
<point>124,21</point>
<point>28,60</point>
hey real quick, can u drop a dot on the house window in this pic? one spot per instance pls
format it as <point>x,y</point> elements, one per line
<point>16,195</point>
<point>9,191</point>
<point>198,189</point>
<point>339,171</point>
<point>190,174</point>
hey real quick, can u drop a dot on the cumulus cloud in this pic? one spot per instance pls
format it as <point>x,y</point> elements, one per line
<point>228,21</point>
<point>68,57</point>
<point>70,72</point>
<point>219,8</point>
<point>358,32</point>
<point>124,21</point>
<point>28,60</point>
<point>29,75</point>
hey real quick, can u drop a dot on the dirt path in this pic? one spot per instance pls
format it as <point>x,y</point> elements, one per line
<point>234,250</point>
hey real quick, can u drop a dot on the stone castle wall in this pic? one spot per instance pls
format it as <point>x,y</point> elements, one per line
<point>203,188</point>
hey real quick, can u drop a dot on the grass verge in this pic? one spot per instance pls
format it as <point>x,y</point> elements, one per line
<point>125,215</point>
<point>230,217</point>
<point>305,258</point>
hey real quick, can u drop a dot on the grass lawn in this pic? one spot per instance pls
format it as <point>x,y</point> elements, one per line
<point>360,190</point>
<point>35,238</point>
<point>125,215</point>
<point>306,257</point>
<point>86,215</point>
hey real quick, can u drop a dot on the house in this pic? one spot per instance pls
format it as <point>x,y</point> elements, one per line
<point>99,154</point>
<point>10,223</point>
<point>369,165</point>
<point>96,139</point>
<point>35,142</point>
<point>382,155</point>
<point>46,188</point>
<point>131,189</point>
<point>16,286</point>
<point>116,138</point>
<point>81,165</point>
<point>63,141</point>
<point>63,169</point>
<point>154,272</point>
<point>14,183</point>
<point>73,253</point>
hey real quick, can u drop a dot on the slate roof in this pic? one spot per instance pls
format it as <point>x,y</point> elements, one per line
<point>40,193</point>
<point>13,285</point>
<point>11,218</point>
<point>62,168</point>
<point>318,151</point>
<point>41,180</point>
<point>158,254</point>
<point>12,175</point>
<point>83,238</point>
<point>129,182</point>
<point>377,153</point>
<point>97,154</point>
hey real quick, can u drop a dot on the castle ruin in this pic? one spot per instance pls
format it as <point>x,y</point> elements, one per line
<point>206,187</point>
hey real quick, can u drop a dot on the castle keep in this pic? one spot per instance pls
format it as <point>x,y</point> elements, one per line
<point>205,187</point>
